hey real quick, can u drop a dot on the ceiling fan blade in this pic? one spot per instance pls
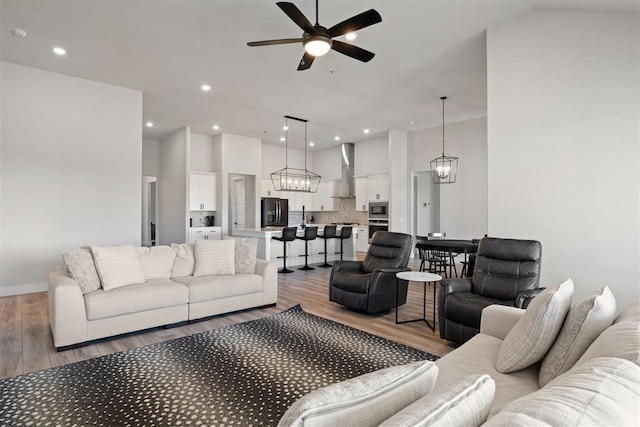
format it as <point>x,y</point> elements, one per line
<point>296,16</point>
<point>306,61</point>
<point>355,23</point>
<point>274,42</point>
<point>354,52</point>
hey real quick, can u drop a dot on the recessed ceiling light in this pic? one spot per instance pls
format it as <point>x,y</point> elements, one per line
<point>336,138</point>
<point>19,32</point>
<point>311,144</point>
<point>149,124</point>
<point>412,122</point>
<point>205,88</point>
<point>366,131</point>
<point>282,138</point>
<point>59,51</point>
<point>216,127</point>
<point>351,36</point>
<point>285,127</point>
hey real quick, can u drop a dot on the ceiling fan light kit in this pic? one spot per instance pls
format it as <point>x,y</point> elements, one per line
<point>444,168</point>
<point>318,40</point>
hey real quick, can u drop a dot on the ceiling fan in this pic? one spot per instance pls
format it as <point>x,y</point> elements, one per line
<point>318,40</point>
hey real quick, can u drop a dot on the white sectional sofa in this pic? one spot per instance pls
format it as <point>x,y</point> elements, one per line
<point>550,365</point>
<point>107,291</point>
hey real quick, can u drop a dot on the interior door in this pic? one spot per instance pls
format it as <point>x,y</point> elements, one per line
<point>239,220</point>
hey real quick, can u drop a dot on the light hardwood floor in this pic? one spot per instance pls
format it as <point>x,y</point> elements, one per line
<point>26,344</point>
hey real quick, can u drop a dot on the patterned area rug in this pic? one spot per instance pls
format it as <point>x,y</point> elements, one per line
<point>241,375</point>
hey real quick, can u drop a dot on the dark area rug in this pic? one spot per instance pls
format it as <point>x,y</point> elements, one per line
<point>240,375</point>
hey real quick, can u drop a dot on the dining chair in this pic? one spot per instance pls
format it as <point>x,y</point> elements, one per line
<point>438,259</point>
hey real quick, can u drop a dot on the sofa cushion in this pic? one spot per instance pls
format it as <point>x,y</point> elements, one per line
<point>466,307</point>
<point>351,281</point>
<point>207,288</point>
<point>154,294</point>
<point>117,266</point>
<point>214,257</point>
<point>156,261</point>
<point>630,313</point>
<point>83,269</point>
<point>466,403</point>
<point>622,339</point>
<point>246,252</point>
<point>534,334</point>
<point>585,321</point>
<point>602,392</point>
<point>185,260</point>
<point>366,400</point>
<point>478,356</point>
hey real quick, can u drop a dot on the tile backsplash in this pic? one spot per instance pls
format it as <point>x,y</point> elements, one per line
<point>347,213</point>
<point>197,217</point>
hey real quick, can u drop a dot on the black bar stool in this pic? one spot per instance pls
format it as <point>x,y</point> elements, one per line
<point>345,233</point>
<point>329,232</point>
<point>310,233</point>
<point>288,235</point>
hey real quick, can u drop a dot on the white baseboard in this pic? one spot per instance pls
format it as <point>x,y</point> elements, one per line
<point>29,288</point>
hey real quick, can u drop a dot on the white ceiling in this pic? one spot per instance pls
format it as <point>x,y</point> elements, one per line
<point>169,48</point>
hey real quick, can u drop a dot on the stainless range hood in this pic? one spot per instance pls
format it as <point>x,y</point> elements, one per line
<point>347,183</point>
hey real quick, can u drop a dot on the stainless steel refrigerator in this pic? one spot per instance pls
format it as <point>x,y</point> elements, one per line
<point>275,212</point>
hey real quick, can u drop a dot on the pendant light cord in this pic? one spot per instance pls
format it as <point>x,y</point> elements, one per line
<point>443,98</point>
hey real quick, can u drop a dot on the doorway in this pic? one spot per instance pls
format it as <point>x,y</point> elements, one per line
<point>149,209</point>
<point>241,202</point>
<point>426,204</point>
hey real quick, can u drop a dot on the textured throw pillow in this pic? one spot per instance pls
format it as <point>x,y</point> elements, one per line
<point>117,266</point>
<point>531,338</point>
<point>185,260</point>
<point>622,339</point>
<point>83,269</point>
<point>602,392</point>
<point>214,257</point>
<point>365,400</point>
<point>585,321</point>
<point>156,261</point>
<point>245,254</point>
<point>465,403</point>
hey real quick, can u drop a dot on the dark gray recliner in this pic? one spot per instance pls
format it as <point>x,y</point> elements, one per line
<point>370,285</point>
<point>506,272</point>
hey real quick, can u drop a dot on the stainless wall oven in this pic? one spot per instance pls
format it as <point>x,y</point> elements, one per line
<point>377,225</point>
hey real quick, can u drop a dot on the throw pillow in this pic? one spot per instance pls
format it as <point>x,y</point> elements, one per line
<point>117,266</point>
<point>534,334</point>
<point>465,403</point>
<point>602,392</point>
<point>214,257</point>
<point>185,260</point>
<point>83,269</point>
<point>365,400</point>
<point>622,339</point>
<point>585,321</point>
<point>246,253</point>
<point>156,261</point>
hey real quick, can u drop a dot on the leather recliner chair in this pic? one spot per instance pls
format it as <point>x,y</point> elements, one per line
<point>370,285</point>
<point>506,272</point>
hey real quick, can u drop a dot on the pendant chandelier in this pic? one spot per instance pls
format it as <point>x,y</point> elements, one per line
<point>293,179</point>
<point>444,168</point>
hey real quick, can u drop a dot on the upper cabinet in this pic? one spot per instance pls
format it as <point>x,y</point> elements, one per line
<point>323,199</point>
<point>362,194</point>
<point>378,187</point>
<point>203,191</point>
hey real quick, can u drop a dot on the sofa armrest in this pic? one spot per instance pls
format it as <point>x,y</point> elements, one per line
<point>269,272</point>
<point>450,286</point>
<point>524,298</point>
<point>347,265</point>
<point>67,311</point>
<point>383,280</point>
<point>497,320</point>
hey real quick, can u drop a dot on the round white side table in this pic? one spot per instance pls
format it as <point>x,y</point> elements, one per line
<point>421,277</point>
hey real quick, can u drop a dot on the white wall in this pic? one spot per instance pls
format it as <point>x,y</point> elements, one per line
<point>399,179</point>
<point>372,156</point>
<point>70,172</point>
<point>273,159</point>
<point>151,157</point>
<point>326,163</point>
<point>173,188</point>
<point>463,204</point>
<point>202,153</point>
<point>563,144</point>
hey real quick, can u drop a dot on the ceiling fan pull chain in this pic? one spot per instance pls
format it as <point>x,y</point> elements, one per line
<point>331,60</point>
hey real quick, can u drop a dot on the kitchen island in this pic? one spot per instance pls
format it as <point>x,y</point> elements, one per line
<point>270,249</point>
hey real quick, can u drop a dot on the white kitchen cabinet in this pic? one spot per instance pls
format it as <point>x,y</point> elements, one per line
<point>299,199</point>
<point>203,191</point>
<point>378,187</point>
<point>362,239</point>
<point>205,233</point>
<point>323,199</point>
<point>362,194</point>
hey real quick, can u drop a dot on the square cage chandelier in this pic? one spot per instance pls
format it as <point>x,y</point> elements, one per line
<point>444,168</point>
<point>295,179</point>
